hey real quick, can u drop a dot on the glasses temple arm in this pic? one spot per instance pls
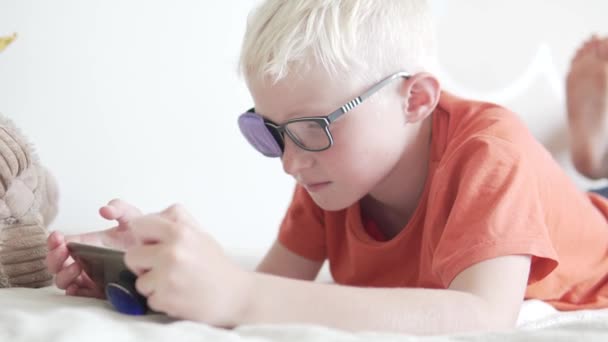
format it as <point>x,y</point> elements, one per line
<point>357,100</point>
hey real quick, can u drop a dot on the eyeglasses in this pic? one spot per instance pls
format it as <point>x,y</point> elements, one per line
<point>308,133</point>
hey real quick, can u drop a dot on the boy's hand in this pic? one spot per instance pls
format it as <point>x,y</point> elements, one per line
<point>69,275</point>
<point>184,272</point>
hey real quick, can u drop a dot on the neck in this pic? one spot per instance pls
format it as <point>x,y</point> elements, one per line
<point>393,201</point>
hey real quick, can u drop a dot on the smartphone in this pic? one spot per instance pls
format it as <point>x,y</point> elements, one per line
<point>102,265</point>
<point>107,269</point>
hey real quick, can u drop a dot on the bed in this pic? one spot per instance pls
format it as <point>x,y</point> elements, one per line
<point>46,314</point>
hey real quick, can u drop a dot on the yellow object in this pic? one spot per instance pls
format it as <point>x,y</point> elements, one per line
<point>5,41</point>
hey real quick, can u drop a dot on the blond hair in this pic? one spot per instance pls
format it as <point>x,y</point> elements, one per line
<point>369,37</point>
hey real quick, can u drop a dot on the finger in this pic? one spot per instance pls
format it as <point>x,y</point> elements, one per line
<point>54,240</point>
<point>75,290</point>
<point>178,213</point>
<point>142,258</point>
<point>71,290</point>
<point>147,283</point>
<point>158,303</point>
<point>84,281</point>
<point>88,288</point>
<point>66,276</point>
<point>56,258</point>
<point>119,210</point>
<point>153,228</point>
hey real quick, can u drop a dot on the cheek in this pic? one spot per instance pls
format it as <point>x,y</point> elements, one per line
<point>354,154</point>
<point>355,164</point>
<point>367,149</point>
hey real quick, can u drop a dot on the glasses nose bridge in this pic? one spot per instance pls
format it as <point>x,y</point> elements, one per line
<point>282,130</point>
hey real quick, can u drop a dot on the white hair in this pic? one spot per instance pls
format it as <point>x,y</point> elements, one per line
<point>365,38</point>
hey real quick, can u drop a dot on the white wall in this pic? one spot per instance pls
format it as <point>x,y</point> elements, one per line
<point>139,100</point>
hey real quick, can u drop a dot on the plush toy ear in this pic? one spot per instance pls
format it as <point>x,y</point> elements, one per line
<point>5,41</point>
<point>49,205</point>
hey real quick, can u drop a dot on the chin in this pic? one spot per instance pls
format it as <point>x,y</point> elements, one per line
<point>332,203</point>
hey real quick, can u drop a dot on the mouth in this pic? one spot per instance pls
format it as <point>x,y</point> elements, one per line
<point>314,187</point>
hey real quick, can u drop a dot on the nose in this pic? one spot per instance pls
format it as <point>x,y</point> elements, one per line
<point>295,159</point>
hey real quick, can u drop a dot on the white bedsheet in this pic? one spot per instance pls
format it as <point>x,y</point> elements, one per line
<point>48,315</point>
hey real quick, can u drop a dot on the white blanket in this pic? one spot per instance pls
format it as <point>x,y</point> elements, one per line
<point>48,315</point>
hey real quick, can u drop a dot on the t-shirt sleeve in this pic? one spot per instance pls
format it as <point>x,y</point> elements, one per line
<point>302,230</point>
<point>492,208</point>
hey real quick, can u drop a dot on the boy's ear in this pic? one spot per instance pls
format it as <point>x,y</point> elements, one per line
<point>420,94</point>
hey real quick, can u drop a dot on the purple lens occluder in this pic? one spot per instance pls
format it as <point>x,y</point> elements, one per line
<point>255,131</point>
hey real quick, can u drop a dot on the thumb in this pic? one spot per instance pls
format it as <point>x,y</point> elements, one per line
<point>120,211</point>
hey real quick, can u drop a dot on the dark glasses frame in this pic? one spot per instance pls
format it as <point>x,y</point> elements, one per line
<point>278,130</point>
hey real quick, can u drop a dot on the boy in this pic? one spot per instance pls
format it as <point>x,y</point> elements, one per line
<point>436,214</point>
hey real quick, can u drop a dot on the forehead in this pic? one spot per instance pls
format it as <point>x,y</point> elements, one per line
<point>312,93</point>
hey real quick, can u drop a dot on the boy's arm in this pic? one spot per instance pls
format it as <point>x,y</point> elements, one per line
<point>487,295</point>
<point>280,261</point>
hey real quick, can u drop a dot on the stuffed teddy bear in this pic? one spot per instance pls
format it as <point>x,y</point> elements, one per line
<point>28,204</point>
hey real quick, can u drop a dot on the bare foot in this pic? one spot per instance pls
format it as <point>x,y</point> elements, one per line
<point>587,102</point>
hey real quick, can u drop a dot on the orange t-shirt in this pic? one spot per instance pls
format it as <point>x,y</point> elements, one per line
<point>492,190</point>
